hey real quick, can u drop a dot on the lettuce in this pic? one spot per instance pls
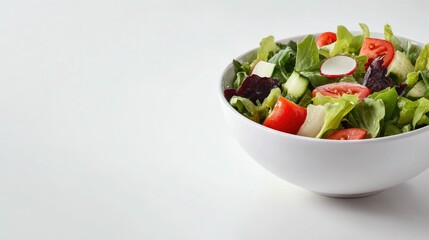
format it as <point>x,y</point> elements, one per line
<point>389,96</point>
<point>388,35</point>
<point>266,46</point>
<point>239,78</point>
<point>346,42</point>
<point>367,114</point>
<point>419,117</point>
<point>407,109</point>
<point>285,62</point>
<point>336,110</point>
<point>316,79</point>
<point>248,109</point>
<point>422,59</point>
<point>307,56</point>
<point>365,29</point>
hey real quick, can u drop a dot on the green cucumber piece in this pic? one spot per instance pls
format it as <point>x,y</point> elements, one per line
<point>295,86</point>
<point>400,67</point>
<point>417,91</point>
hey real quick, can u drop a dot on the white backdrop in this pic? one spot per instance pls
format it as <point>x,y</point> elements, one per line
<point>110,126</point>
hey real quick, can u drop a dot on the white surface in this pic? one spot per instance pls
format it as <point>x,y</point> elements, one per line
<point>110,126</point>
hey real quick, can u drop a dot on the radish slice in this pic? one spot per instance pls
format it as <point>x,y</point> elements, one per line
<point>338,66</point>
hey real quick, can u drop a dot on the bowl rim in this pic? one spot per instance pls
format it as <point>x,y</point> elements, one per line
<point>223,100</point>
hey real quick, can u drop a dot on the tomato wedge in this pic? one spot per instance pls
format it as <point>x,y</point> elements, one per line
<point>286,116</point>
<point>336,90</point>
<point>348,134</point>
<point>326,38</point>
<point>373,48</point>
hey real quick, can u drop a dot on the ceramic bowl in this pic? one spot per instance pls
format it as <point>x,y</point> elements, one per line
<point>333,168</point>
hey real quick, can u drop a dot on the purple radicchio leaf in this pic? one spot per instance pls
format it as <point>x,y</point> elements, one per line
<point>375,78</point>
<point>254,88</point>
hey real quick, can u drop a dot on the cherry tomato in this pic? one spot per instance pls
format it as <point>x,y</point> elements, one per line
<point>326,38</point>
<point>286,116</point>
<point>373,48</point>
<point>348,134</point>
<point>336,90</point>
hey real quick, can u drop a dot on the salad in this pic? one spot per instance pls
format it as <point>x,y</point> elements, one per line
<point>335,86</point>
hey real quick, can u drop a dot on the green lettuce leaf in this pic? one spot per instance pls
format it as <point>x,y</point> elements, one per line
<point>346,42</point>
<point>307,56</point>
<point>420,117</point>
<point>411,51</point>
<point>316,79</point>
<point>285,62</point>
<point>239,78</point>
<point>412,79</point>
<point>407,109</point>
<point>388,35</point>
<point>391,129</point>
<point>389,96</point>
<point>356,44</point>
<point>248,109</point>
<point>360,68</point>
<point>336,110</point>
<point>266,46</point>
<point>422,59</point>
<point>367,114</point>
<point>272,98</point>
<point>365,29</point>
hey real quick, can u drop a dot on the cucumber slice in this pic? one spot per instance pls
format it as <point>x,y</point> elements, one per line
<point>417,91</point>
<point>313,122</point>
<point>400,67</point>
<point>295,86</point>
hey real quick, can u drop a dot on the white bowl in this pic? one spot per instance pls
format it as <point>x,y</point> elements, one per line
<point>351,168</point>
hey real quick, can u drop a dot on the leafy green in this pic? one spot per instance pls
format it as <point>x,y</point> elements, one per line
<point>272,98</point>
<point>341,46</point>
<point>411,51</point>
<point>365,29</point>
<point>356,44</point>
<point>388,35</point>
<point>367,114</point>
<point>241,67</point>
<point>307,56</point>
<point>346,42</point>
<point>240,76</point>
<point>336,110</point>
<point>285,62</point>
<point>391,129</point>
<point>306,99</point>
<point>344,33</point>
<point>407,109</point>
<point>266,46</point>
<point>316,79</point>
<point>349,79</point>
<point>360,68</point>
<point>412,79</point>
<point>248,109</point>
<point>420,117</point>
<point>389,96</point>
<point>422,59</point>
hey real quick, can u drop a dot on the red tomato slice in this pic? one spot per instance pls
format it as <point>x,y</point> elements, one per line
<point>348,134</point>
<point>326,38</point>
<point>286,116</point>
<point>336,90</point>
<point>373,48</point>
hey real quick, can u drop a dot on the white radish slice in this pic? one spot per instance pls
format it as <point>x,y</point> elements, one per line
<point>338,66</point>
<point>264,69</point>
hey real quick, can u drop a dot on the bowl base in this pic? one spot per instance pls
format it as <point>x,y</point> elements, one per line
<point>358,195</point>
